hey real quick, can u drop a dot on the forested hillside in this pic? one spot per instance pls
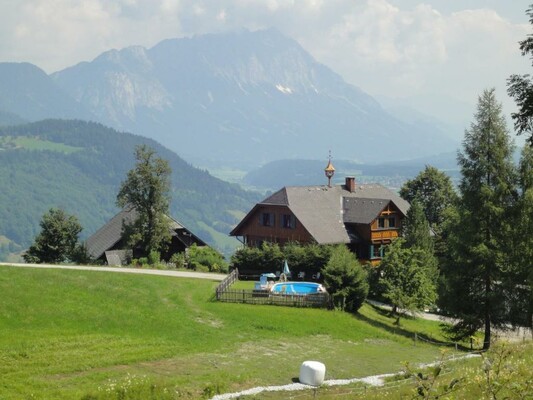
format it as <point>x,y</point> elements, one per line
<point>78,166</point>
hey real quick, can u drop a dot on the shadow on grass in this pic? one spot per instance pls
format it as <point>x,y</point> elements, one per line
<point>399,330</point>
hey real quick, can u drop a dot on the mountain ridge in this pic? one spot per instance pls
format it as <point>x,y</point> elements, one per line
<point>246,95</point>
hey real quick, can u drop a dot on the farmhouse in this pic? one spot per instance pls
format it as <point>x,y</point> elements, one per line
<point>107,243</point>
<point>364,217</point>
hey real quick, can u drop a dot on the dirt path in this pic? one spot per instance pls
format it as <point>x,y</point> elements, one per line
<point>512,335</point>
<point>162,272</point>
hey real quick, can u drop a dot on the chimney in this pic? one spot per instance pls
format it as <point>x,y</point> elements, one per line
<point>350,184</point>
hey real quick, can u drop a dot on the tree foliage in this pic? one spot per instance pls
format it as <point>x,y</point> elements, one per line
<point>520,88</point>
<point>147,190</point>
<point>58,240</point>
<point>434,191</point>
<point>408,277</point>
<point>521,271</point>
<point>416,230</point>
<point>345,279</point>
<point>474,291</point>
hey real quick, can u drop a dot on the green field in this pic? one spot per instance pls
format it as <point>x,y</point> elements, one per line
<point>35,143</point>
<point>82,334</point>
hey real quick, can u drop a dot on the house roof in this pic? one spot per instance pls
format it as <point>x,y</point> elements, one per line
<point>110,234</point>
<point>324,210</point>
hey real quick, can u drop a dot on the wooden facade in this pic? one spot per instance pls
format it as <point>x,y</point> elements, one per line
<point>274,224</point>
<point>366,218</point>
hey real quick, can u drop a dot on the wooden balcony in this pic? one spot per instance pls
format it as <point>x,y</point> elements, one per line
<point>384,235</point>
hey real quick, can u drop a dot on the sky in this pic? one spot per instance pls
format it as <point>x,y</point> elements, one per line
<point>434,55</point>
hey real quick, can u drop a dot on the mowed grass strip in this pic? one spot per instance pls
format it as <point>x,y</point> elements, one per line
<point>65,334</point>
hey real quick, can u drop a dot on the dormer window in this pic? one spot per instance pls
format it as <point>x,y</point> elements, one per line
<point>381,222</point>
<point>392,222</point>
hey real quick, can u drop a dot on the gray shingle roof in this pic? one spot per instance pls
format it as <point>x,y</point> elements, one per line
<point>362,211</point>
<point>323,210</point>
<point>111,233</point>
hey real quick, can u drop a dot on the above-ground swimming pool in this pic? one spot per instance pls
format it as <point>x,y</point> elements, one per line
<point>301,288</point>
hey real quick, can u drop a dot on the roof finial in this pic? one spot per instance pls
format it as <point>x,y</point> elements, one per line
<point>329,170</point>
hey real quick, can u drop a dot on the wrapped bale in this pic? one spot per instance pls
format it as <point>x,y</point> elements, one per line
<point>312,373</point>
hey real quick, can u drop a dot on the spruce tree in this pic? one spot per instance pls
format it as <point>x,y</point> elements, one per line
<point>416,230</point>
<point>479,258</point>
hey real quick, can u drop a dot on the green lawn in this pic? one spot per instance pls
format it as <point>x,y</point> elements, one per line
<point>84,334</point>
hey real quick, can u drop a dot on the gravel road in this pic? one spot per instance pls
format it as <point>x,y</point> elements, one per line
<point>163,272</point>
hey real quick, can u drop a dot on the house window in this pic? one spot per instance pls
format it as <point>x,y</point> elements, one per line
<point>267,219</point>
<point>288,221</point>
<point>376,251</point>
<point>392,222</point>
<point>381,222</point>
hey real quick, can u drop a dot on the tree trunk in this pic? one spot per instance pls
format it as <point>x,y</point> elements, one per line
<point>486,340</point>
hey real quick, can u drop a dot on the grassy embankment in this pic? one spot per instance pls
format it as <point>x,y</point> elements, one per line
<point>83,334</point>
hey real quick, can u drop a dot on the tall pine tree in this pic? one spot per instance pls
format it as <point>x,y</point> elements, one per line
<point>475,294</point>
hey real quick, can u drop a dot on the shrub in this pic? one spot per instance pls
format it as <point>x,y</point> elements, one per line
<point>204,258</point>
<point>253,261</point>
<point>154,257</point>
<point>345,280</point>
<point>179,260</point>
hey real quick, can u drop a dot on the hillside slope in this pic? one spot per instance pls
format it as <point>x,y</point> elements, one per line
<point>79,166</point>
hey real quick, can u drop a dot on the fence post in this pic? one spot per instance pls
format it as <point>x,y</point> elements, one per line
<point>416,337</point>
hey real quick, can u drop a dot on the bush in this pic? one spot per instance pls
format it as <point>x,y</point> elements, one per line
<point>204,258</point>
<point>154,257</point>
<point>179,260</point>
<point>253,261</point>
<point>345,280</point>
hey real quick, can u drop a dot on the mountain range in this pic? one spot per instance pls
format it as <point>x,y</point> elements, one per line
<point>241,99</point>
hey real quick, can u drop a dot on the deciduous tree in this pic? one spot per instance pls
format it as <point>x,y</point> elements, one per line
<point>434,191</point>
<point>520,88</point>
<point>408,277</point>
<point>147,190</point>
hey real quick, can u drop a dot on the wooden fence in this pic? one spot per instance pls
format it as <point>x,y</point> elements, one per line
<point>225,294</point>
<point>318,300</point>
<point>227,282</point>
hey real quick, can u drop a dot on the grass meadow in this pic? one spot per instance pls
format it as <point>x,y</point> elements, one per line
<point>68,334</point>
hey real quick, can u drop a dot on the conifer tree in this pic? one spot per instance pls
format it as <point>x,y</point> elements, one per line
<point>474,293</point>
<point>58,240</point>
<point>416,231</point>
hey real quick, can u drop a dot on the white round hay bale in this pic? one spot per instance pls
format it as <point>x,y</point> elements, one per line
<point>312,373</point>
